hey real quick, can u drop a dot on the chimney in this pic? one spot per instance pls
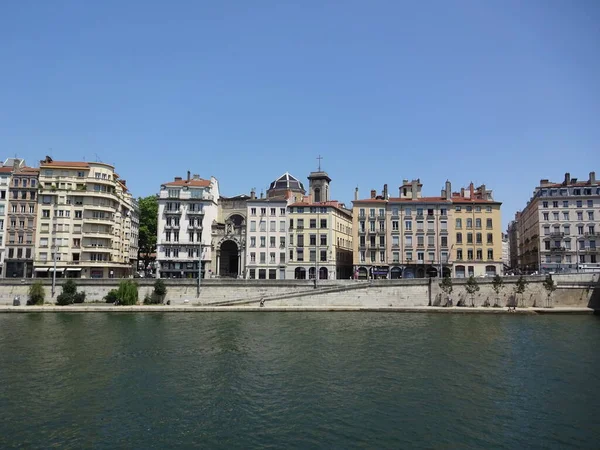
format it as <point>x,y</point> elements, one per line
<point>443,193</point>
<point>385,191</point>
<point>448,190</point>
<point>414,186</point>
<point>252,194</point>
<point>404,182</point>
<point>124,182</point>
<point>188,175</point>
<point>177,178</point>
<point>196,176</point>
<point>261,194</point>
<point>592,177</point>
<point>356,193</point>
<point>373,193</point>
<point>15,165</point>
<point>471,191</point>
<point>462,192</point>
<point>567,178</point>
<point>483,192</point>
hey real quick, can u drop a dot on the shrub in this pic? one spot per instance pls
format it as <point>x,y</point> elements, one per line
<point>111,297</point>
<point>472,287</point>
<point>127,293</point>
<point>69,287</point>
<point>64,299</point>
<point>36,294</point>
<point>152,299</point>
<point>160,288</point>
<point>79,297</point>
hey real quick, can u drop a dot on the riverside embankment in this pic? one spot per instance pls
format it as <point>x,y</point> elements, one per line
<point>573,291</point>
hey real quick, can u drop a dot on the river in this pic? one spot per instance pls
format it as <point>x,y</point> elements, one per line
<point>338,380</point>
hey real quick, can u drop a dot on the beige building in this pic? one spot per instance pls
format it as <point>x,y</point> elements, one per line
<point>320,234</point>
<point>229,237</point>
<point>85,223</point>
<point>407,236</point>
<point>477,246</point>
<point>559,229</point>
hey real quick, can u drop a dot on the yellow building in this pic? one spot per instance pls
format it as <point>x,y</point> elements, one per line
<point>320,234</point>
<point>477,246</point>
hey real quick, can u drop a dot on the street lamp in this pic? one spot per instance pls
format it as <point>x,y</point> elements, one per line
<point>199,264</point>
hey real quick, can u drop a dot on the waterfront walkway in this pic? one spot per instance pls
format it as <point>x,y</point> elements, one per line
<point>101,307</point>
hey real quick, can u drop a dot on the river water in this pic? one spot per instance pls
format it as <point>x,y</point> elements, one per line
<point>299,380</point>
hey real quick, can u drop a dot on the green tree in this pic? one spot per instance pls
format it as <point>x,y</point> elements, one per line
<point>497,286</point>
<point>36,294</point>
<point>550,287</point>
<point>148,228</point>
<point>127,294</point>
<point>69,294</point>
<point>446,287</point>
<point>158,294</point>
<point>520,288</point>
<point>472,287</point>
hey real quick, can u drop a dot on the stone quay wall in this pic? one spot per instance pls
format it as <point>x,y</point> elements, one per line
<point>573,290</point>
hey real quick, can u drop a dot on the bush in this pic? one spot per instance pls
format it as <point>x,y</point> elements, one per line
<point>152,299</point>
<point>36,294</point>
<point>160,288</point>
<point>79,297</point>
<point>111,297</point>
<point>69,287</point>
<point>64,299</point>
<point>127,294</point>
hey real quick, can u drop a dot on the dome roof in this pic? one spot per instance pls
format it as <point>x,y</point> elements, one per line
<point>287,181</point>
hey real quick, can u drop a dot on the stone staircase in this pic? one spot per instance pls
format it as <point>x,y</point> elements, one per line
<point>311,292</point>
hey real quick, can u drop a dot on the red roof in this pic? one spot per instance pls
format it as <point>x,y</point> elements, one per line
<point>6,169</point>
<point>193,182</point>
<point>64,164</point>
<point>333,203</point>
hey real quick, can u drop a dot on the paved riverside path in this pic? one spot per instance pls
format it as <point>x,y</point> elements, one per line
<point>191,308</point>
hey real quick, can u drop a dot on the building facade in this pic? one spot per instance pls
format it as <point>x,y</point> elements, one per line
<point>21,221</point>
<point>407,236</point>
<point>513,242</point>
<point>186,211</point>
<point>320,234</point>
<point>229,238</point>
<point>267,252</point>
<point>83,224</point>
<point>5,174</point>
<point>559,229</point>
<point>477,246</point>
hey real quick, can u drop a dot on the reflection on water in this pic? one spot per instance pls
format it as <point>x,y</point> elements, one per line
<point>298,380</point>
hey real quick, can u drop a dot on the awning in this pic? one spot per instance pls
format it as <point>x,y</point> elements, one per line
<point>41,269</point>
<point>73,269</point>
<point>59,269</point>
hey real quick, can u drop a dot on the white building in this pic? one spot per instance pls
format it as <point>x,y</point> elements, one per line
<point>4,186</point>
<point>186,211</point>
<point>84,221</point>
<point>267,229</point>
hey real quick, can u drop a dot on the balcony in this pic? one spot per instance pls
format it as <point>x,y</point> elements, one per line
<point>98,220</point>
<point>173,211</point>
<point>588,234</point>
<point>557,249</point>
<point>420,231</point>
<point>557,235</point>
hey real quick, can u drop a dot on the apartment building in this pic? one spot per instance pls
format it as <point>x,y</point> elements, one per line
<point>84,221</point>
<point>186,211</point>
<point>5,174</point>
<point>320,234</point>
<point>21,221</point>
<point>407,236</point>
<point>477,246</point>
<point>267,230</point>
<point>559,229</point>
<point>513,242</point>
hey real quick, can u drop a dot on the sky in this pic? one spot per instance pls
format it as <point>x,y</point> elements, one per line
<point>499,92</point>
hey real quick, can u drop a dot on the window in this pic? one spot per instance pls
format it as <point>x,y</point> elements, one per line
<point>407,211</point>
<point>263,241</point>
<point>490,238</point>
<point>323,223</point>
<point>253,225</point>
<point>420,256</point>
<point>469,223</point>
<point>263,257</point>
<point>252,211</point>
<point>459,254</point>
<point>272,241</point>
<point>272,225</point>
<point>271,258</point>
<point>459,238</point>
<point>324,239</point>
<point>579,203</point>
<point>546,216</point>
<point>590,203</point>
<point>313,223</point>
<point>488,223</point>
<point>262,225</point>
<point>478,238</point>
<point>46,213</point>
<point>394,225</point>
<point>458,224</point>
<point>408,225</point>
<point>469,208</point>
<point>590,215</point>
<point>272,211</point>
<point>313,256</point>
<point>469,254</point>
<point>565,215</point>
<point>282,225</point>
<point>469,238</point>
<point>372,226</point>
<point>457,209</point>
<point>555,204</point>
<point>263,211</point>
<point>408,240</point>
<point>252,241</point>
<point>478,223</point>
<point>409,256</point>
<point>361,212</point>
<point>282,242</point>
<point>282,211</point>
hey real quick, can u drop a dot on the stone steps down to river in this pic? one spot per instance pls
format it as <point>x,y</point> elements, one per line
<point>271,298</point>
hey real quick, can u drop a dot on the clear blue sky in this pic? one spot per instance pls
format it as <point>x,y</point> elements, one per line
<point>496,92</point>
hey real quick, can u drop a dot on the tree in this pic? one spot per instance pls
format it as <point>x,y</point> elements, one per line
<point>472,287</point>
<point>158,294</point>
<point>497,286</point>
<point>69,294</point>
<point>446,286</point>
<point>550,287</point>
<point>520,287</point>
<point>36,294</point>
<point>127,294</point>
<point>148,228</point>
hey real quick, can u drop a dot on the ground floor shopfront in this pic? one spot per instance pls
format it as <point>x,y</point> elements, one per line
<point>94,272</point>
<point>375,272</point>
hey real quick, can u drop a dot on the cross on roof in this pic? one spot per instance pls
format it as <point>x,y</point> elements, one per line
<point>319,158</point>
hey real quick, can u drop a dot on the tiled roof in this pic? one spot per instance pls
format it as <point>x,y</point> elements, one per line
<point>333,203</point>
<point>6,169</point>
<point>193,183</point>
<point>64,164</point>
<point>474,200</point>
<point>419,200</point>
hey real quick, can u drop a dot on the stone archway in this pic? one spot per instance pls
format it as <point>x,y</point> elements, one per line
<point>323,273</point>
<point>229,259</point>
<point>300,273</point>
